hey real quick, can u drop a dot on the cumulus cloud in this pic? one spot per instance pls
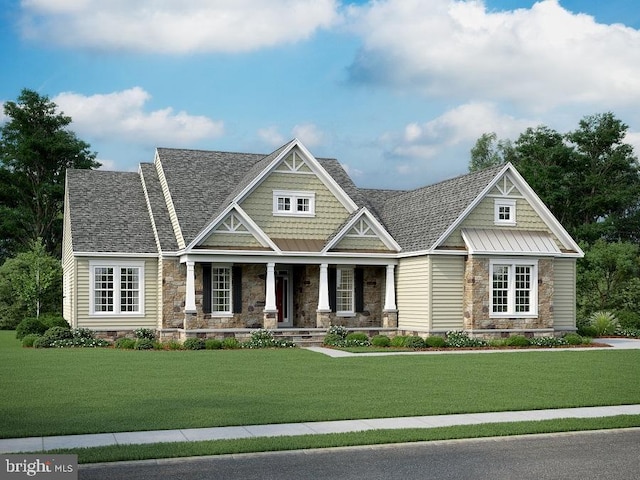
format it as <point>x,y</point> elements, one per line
<point>538,58</point>
<point>187,26</point>
<point>122,116</point>
<point>308,133</point>
<point>271,136</point>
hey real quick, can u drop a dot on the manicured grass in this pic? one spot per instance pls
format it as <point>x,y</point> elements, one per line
<point>374,437</point>
<point>71,391</point>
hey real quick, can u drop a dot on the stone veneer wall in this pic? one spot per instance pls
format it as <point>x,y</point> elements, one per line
<point>174,277</point>
<point>477,299</point>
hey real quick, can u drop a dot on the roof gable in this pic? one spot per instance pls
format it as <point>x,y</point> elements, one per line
<point>366,229</point>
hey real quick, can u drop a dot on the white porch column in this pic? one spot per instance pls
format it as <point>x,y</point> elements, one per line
<point>190,301</point>
<point>323,296</point>
<point>270,294</point>
<point>390,290</point>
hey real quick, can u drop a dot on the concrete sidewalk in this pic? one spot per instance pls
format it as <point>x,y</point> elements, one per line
<point>38,444</point>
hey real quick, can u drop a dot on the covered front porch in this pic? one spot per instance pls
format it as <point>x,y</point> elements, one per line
<point>204,296</point>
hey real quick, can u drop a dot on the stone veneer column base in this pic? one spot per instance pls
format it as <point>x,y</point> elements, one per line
<point>270,320</point>
<point>190,320</point>
<point>390,319</point>
<point>323,319</point>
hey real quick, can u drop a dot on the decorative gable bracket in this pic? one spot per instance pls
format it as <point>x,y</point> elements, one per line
<point>363,224</point>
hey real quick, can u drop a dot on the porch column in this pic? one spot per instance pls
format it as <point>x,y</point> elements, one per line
<point>390,290</point>
<point>270,317</point>
<point>190,301</point>
<point>323,319</point>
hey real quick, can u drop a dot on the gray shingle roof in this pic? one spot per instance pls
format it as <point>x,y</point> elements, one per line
<point>166,236</point>
<point>416,219</point>
<point>108,212</point>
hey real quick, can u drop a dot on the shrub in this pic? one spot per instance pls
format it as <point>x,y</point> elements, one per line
<point>30,325</point>
<point>628,319</point>
<point>193,344</point>
<point>125,343</point>
<point>587,331</point>
<point>213,344</point>
<point>86,333</point>
<point>357,339</point>
<point>339,330</point>
<point>333,340</point>
<point>145,333</point>
<point>461,339</point>
<point>144,344</point>
<point>548,341</point>
<point>230,343</point>
<point>51,320</point>
<point>574,339</point>
<point>414,341</point>
<point>629,332</point>
<point>58,333</point>
<point>41,342</point>
<point>605,323</point>
<point>27,340</point>
<point>261,338</point>
<point>398,341</point>
<point>435,341</point>
<point>381,341</point>
<point>517,341</point>
<point>173,345</point>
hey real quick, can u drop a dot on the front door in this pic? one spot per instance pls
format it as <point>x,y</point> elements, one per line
<point>283,297</point>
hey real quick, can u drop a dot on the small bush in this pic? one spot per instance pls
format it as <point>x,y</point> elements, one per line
<point>381,341</point>
<point>172,345</point>
<point>435,341</point>
<point>398,341</point>
<point>461,339</point>
<point>604,322</point>
<point>587,331</point>
<point>339,330</point>
<point>548,341</point>
<point>41,342</point>
<point>51,320</point>
<point>145,333</point>
<point>27,340</point>
<point>333,340</point>
<point>414,341</point>
<point>629,332</point>
<point>144,344</point>
<point>628,319</point>
<point>574,339</point>
<point>30,325</point>
<point>85,333</point>
<point>125,343</point>
<point>517,341</point>
<point>357,339</point>
<point>230,343</point>
<point>58,333</point>
<point>213,344</point>
<point>193,344</point>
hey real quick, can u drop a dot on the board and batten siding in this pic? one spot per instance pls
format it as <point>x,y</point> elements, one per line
<point>412,294</point>
<point>564,293</point>
<point>119,322</point>
<point>447,290</point>
<point>329,212</point>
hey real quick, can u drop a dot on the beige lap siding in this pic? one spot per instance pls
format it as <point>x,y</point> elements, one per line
<point>117,322</point>
<point>412,294</point>
<point>447,293</point>
<point>564,301</point>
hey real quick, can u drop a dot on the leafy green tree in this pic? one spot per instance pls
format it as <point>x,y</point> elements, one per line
<point>36,148</point>
<point>30,284</point>
<point>488,151</point>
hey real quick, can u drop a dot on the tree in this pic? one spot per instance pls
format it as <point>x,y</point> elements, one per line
<point>35,150</point>
<point>30,284</point>
<point>488,151</point>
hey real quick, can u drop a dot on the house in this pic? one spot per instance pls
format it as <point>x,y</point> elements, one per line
<point>206,243</point>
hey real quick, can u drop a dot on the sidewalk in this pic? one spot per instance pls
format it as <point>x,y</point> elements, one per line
<point>38,444</point>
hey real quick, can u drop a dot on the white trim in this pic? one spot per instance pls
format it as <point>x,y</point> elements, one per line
<point>380,231</point>
<point>117,265</point>
<point>511,288</point>
<point>352,292</point>
<point>117,255</point>
<point>508,203</point>
<point>294,196</point>
<point>229,269</point>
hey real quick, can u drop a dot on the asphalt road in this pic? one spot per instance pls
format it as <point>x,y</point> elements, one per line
<point>609,454</point>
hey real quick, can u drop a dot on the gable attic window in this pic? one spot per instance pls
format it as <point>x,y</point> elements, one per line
<point>294,203</point>
<point>117,288</point>
<point>504,211</point>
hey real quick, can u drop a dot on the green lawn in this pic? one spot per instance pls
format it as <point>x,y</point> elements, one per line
<point>70,391</point>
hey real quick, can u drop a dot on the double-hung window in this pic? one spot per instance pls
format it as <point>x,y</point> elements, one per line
<point>514,286</point>
<point>504,211</point>
<point>294,203</point>
<point>345,291</point>
<point>116,288</point>
<point>221,289</point>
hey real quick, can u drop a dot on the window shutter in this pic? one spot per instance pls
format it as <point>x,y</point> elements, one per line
<point>331,273</point>
<point>236,284</point>
<point>358,280</point>
<point>206,287</point>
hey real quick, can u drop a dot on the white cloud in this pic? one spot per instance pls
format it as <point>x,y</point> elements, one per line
<point>309,134</point>
<point>271,136</point>
<point>187,26</point>
<point>121,116</point>
<point>537,58</point>
<point>107,164</point>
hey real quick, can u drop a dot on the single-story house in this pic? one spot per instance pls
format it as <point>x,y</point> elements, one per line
<point>204,242</point>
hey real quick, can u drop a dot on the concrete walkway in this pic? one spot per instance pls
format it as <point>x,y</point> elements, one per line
<point>38,444</point>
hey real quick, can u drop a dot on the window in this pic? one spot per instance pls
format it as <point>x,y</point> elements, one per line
<point>298,204</point>
<point>514,288</point>
<point>221,289</point>
<point>116,289</point>
<point>345,291</point>
<point>505,212</point>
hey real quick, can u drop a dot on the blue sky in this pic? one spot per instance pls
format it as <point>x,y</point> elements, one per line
<point>397,90</point>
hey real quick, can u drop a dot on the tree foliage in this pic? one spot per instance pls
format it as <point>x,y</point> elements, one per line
<point>36,148</point>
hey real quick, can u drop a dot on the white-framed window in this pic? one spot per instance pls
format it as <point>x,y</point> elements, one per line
<point>504,211</point>
<point>514,288</point>
<point>117,288</point>
<point>345,291</point>
<point>221,289</point>
<point>294,203</point>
